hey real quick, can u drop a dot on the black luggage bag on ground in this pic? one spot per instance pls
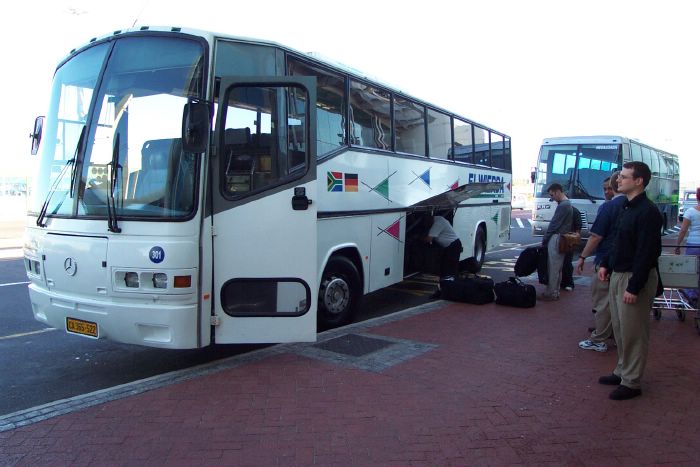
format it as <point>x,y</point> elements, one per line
<point>473,289</point>
<point>515,292</point>
<point>528,261</point>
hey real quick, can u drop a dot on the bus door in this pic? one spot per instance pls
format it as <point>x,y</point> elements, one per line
<point>264,211</point>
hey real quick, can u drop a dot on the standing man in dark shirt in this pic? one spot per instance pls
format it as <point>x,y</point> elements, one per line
<point>631,267</point>
<point>560,224</point>
<point>602,233</point>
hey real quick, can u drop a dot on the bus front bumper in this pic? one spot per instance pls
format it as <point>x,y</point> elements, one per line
<point>173,326</point>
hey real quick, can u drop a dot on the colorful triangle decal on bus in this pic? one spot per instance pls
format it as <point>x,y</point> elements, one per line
<point>394,229</point>
<point>455,185</point>
<point>382,188</point>
<point>424,177</point>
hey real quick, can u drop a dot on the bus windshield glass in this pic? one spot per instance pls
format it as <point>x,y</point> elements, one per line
<point>579,168</point>
<point>132,148</point>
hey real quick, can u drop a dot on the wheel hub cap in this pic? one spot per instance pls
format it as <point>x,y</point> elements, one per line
<point>336,295</point>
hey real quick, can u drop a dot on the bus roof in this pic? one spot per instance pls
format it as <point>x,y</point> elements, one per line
<point>211,36</point>
<point>603,139</point>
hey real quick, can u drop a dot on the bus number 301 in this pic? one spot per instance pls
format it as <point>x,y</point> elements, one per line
<point>157,255</point>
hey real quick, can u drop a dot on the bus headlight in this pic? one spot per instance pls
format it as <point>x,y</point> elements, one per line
<point>131,279</point>
<point>149,281</point>
<point>160,280</point>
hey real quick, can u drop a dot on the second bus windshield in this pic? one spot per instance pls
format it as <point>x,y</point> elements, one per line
<point>579,168</point>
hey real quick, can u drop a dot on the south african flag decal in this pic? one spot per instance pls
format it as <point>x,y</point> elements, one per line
<point>335,181</point>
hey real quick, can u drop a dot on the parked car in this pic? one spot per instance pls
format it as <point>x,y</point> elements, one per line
<point>519,201</point>
<point>687,201</point>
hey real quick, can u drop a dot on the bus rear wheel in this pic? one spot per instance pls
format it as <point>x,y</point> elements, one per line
<point>339,293</point>
<point>480,247</point>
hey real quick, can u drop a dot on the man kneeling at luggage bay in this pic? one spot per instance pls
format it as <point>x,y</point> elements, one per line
<point>439,230</point>
<point>560,224</point>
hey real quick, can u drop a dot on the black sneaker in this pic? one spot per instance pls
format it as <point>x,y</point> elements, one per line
<point>610,380</point>
<point>623,393</point>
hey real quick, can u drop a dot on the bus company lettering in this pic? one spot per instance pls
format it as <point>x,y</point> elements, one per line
<point>485,178</point>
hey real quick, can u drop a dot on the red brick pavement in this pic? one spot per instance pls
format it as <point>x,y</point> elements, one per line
<point>503,386</point>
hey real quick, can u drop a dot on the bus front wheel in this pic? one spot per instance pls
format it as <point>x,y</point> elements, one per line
<point>339,293</point>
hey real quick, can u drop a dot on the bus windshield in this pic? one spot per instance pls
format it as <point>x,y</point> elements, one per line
<point>123,137</point>
<point>579,168</point>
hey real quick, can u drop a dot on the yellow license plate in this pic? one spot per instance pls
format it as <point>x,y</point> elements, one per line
<point>78,326</point>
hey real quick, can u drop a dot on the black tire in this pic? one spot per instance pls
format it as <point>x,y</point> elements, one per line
<point>480,247</point>
<point>664,225</point>
<point>339,293</point>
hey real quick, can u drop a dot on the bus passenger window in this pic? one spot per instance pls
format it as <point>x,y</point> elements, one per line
<point>370,116</point>
<point>464,148</point>
<point>439,134</point>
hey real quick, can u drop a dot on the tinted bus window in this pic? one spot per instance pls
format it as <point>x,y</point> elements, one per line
<point>370,116</point>
<point>234,59</point>
<point>409,125</point>
<point>439,134</point>
<point>330,105</point>
<point>636,151</point>
<point>497,155</point>
<point>481,146</point>
<point>463,150</point>
<point>508,157</point>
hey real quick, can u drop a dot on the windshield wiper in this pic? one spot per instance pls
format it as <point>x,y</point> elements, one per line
<point>70,162</point>
<point>583,190</point>
<point>44,207</point>
<point>111,205</point>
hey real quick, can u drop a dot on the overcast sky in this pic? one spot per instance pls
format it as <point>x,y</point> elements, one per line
<point>529,69</point>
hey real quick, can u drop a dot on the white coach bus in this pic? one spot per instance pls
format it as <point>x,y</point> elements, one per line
<point>581,164</point>
<point>195,188</point>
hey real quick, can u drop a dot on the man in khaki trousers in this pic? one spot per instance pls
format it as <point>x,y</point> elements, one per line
<point>631,267</point>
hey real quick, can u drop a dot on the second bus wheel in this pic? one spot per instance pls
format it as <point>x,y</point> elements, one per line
<point>480,247</point>
<point>339,293</point>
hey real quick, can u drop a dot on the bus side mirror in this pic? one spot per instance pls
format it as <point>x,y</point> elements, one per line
<point>35,135</point>
<point>196,124</point>
<point>532,176</point>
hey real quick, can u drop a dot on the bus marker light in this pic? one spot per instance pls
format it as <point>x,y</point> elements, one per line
<point>183,282</point>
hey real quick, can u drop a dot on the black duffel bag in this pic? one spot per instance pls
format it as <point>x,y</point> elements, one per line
<point>528,261</point>
<point>473,289</point>
<point>515,292</point>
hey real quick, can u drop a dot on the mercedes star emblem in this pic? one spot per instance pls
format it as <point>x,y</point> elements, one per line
<point>70,266</point>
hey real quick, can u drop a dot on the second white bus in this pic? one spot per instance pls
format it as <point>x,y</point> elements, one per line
<point>581,164</point>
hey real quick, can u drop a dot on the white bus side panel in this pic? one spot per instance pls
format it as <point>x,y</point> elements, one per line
<point>338,233</point>
<point>387,253</point>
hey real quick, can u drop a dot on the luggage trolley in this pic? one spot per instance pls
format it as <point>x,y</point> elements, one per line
<point>677,272</point>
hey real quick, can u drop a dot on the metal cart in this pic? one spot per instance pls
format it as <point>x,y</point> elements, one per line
<point>677,272</point>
